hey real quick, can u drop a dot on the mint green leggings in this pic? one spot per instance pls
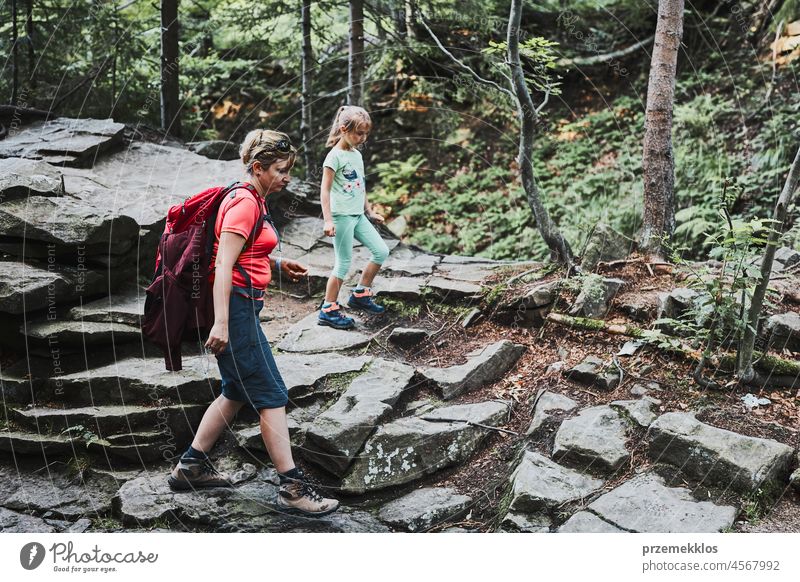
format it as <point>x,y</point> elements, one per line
<point>349,226</point>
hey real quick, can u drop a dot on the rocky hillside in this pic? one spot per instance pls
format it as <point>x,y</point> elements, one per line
<point>474,404</point>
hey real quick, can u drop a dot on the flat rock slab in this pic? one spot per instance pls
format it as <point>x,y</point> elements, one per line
<point>26,287</point>
<point>547,404</point>
<point>715,455</point>
<point>642,412</point>
<point>483,367</point>
<point>514,522</point>
<point>126,307</point>
<point>410,448</point>
<point>449,291</point>
<point>587,522</point>
<point>303,373</point>
<point>75,142</point>
<point>472,272</point>
<point>424,508</point>
<point>337,435</point>
<point>645,504</point>
<point>309,337</point>
<point>409,288</point>
<point>34,444</point>
<point>140,380</point>
<point>408,337</point>
<point>249,507</point>
<point>305,232</point>
<point>21,178</point>
<point>82,333</point>
<point>539,484</point>
<point>406,261</point>
<point>57,494</point>
<point>65,221</point>
<point>15,522</point>
<point>594,439</point>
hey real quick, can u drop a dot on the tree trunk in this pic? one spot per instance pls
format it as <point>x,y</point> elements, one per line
<point>14,60</point>
<point>170,103</point>
<point>559,248</point>
<point>658,164</point>
<point>745,364</point>
<point>31,51</point>
<point>306,64</point>
<point>355,67</point>
<point>409,19</point>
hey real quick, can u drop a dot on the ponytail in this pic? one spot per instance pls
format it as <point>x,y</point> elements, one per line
<point>349,117</point>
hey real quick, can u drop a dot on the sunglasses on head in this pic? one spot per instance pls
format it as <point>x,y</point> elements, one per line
<point>283,146</point>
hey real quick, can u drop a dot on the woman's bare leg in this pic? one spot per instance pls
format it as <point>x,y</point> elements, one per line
<point>217,417</point>
<point>275,432</point>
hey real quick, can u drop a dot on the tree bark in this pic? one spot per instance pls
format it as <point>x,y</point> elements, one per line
<point>170,56</point>
<point>528,117</point>
<point>408,5</point>
<point>658,164</point>
<point>745,356</point>
<point>306,64</point>
<point>31,50</point>
<point>14,60</point>
<point>355,65</point>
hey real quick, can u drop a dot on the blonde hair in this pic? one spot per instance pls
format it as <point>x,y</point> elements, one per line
<point>266,146</point>
<point>349,116</point>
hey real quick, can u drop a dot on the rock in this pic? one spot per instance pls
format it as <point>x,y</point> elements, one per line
<point>82,333</point>
<point>788,257</point>
<point>471,318</point>
<point>794,480</point>
<point>215,149</point>
<point>525,523</point>
<point>303,374</point>
<point>305,232</point>
<point>306,336</point>
<point>406,261</point>
<point>14,522</point>
<point>643,389</point>
<point>539,296</point>
<point>23,443</point>
<point>126,307</point>
<point>408,449</point>
<point>594,439</point>
<point>140,380</point>
<point>784,331</point>
<point>645,504</point>
<point>591,372</point>
<point>715,455</point>
<point>641,308</point>
<point>337,435</point>
<point>471,272</point>
<point>629,348</point>
<point>25,287</point>
<point>675,303</point>
<point>20,178</point>
<point>74,142</point>
<point>483,367</point>
<point>398,226</point>
<point>247,508</point>
<point>408,337</point>
<point>538,484</point>
<point>422,509</point>
<point>587,522</point>
<point>596,296</point>
<point>448,291</point>
<point>18,388</point>
<point>639,411</point>
<point>546,403</point>
<point>409,288</point>
<point>605,245</point>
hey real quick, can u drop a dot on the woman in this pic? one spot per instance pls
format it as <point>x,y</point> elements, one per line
<point>248,370</point>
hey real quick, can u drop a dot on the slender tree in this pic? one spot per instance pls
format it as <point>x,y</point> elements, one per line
<point>780,215</point>
<point>306,65</point>
<point>170,103</point>
<point>658,163</point>
<point>355,65</point>
<point>14,60</point>
<point>31,49</point>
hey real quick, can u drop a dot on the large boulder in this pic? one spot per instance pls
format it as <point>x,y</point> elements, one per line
<point>604,245</point>
<point>715,455</point>
<point>595,439</point>
<point>595,297</point>
<point>410,448</point>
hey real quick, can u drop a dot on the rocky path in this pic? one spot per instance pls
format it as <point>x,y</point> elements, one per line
<point>91,420</point>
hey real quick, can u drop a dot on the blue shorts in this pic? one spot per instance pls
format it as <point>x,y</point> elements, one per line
<point>248,370</point>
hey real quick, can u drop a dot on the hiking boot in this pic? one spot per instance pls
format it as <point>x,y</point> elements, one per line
<point>332,316</point>
<point>363,300</point>
<point>196,474</point>
<point>299,495</point>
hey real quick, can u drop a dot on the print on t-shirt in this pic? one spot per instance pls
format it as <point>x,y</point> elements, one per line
<point>353,183</point>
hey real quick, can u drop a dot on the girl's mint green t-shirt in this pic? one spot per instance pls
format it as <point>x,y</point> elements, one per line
<point>348,190</point>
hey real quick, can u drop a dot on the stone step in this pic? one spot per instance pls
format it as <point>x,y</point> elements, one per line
<point>595,440</point>
<point>424,508</point>
<point>718,456</point>
<point>451,291</point>
<point>80,334</point>
<point>305,374</point>
<point>408,449</point>
<point>646,505</point>
<point>21,178</point>
<point>108,420</point>
<point>125,307</point>
<point>137,380</point>
<point>309,337</point>
<point>337,435</point>
<point>484,366</point>
<point>17,442</point>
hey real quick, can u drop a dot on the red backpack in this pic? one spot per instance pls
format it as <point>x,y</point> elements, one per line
<point>179,303</point>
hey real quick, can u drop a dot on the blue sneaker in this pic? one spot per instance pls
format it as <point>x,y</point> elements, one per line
<point>363,300</point>
<point>332,316</point>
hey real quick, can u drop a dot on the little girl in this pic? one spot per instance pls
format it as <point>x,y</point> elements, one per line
<point>347,215</point>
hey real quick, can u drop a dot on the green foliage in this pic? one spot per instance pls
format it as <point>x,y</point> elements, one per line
<point>81,433</point>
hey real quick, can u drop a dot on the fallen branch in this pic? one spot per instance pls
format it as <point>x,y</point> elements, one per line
<point>479,425</point>
<point>604,58</point>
